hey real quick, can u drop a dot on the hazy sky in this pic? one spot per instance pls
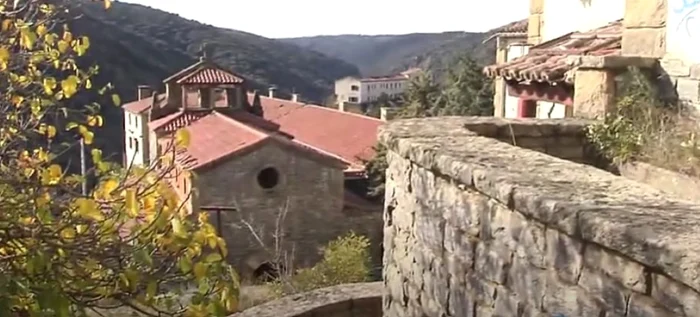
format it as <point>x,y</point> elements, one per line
<point>290,18</point>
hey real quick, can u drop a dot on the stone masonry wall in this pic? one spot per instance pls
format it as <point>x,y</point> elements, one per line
<point>311,193</point>
<point>349,300</point>
<point>476,227</point>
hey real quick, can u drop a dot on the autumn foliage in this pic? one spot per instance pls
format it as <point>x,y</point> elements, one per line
<point>127,242</point>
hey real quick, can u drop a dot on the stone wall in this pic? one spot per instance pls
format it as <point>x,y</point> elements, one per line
<point>476,227</point>
<point>311,196</point>
<point>350,300</point>
<point>670,182</point>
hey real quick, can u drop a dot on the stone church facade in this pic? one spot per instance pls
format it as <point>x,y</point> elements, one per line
<point>258,161</point>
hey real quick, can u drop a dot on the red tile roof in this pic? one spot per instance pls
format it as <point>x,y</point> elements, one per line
<point>210,76</point>
<point>216,136</point>
<point>175,121</point>
<point>513,29</point>
<point>547,62</point>
<point>347,135</point>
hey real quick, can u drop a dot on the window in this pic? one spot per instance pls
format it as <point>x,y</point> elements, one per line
<point>353,99</point>
<point>128,118</point>
<point>268,178</point>
<point>354,88</point>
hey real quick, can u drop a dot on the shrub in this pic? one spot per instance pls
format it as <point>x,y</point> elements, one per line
<point>345,260</point>
<point>642,127</point>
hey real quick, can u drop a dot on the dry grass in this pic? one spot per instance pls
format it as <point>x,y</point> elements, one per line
<point>643,128</point>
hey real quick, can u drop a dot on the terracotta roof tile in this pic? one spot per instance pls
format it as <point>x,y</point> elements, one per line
<point>519,26</point>
<point>547,62</point>
<point>217,136</point>
<point>175,121</point>
<point>349,136</point>
<point>210,76</point>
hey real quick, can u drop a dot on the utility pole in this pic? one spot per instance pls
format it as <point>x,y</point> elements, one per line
<point>83,167</point>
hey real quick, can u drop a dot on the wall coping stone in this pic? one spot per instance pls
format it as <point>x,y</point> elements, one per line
<point>305,303</point>
<point>617,213</point>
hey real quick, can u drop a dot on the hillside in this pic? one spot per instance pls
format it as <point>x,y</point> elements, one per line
<point>384,54</point>
<point>135,45</point>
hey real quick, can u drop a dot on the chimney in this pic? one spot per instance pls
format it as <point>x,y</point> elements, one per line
<point>236,97</point>
<point>271,91</point>
<point>144,91</point>
<point>296,97</point>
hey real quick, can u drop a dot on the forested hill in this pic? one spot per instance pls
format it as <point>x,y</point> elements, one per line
<point>134,44</point>
<point>384,54</point>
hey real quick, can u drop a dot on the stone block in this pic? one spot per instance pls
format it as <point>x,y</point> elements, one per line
<point>643,306</point>
<point>460,303</point>
<point>604,290</point>
<point>564,255</point>
<point>688,89</point>
<point>484,291</point>
<point>536,6</point>
<point>625,271</point>
<point>491,261</point>
<point>647,42</point>
<point>675,67</point>
<point>566,300</point>
<point>534,26</point>
<point>648,13</point>
<point>527,282</point>
<point>675,296</point>
<point>532,245</point>
<point>594,93</point>
<point>506,304</point>
<point>463,207</point>
<point>429,233</point>
<point>695,71</point>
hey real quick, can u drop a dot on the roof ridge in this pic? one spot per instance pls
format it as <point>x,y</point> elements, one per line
<point>281,139</point>
<point>241,124</point>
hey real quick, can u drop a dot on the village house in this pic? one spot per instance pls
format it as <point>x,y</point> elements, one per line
<point>352,93</point>
<point>256,158</point>
<point>568,61</point>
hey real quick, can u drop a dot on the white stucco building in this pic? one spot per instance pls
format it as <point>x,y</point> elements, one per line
<point>136,147</point>
<point>364,90</point>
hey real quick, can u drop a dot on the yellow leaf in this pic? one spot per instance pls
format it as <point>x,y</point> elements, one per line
<point>4,54</point>
<point>109,186</point>
<point>116,100</point>
<point>63,46</point>
<point>28,38</point>
<point>51,131</point>
<point>88,137</point>
<point>67,36</point>
<point>70,86</point>
<point>108,4</point>
<point>89,209</point>
<point>6,24</point>
<point>178,228</point>
<point>49,85</point>
<point>182,137</point>
<point>95,121</point>
<point>41,30</point>
<point>80,229</point>
<point>213,257</point>
<point>88,84</point>
<point>52,174</point>
<point>68,233</point>
<point>132,206</point>
<point>200,270</point>
<point>96,155</point>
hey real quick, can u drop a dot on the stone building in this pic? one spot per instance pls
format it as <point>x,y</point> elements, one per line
<point>577,48</point>
<point>256,158</point>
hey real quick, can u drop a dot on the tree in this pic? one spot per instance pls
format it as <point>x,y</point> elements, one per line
<point>465,92</point>
<point>126,243</point>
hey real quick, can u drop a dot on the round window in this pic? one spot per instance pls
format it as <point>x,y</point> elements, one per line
<point>268,178</point>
